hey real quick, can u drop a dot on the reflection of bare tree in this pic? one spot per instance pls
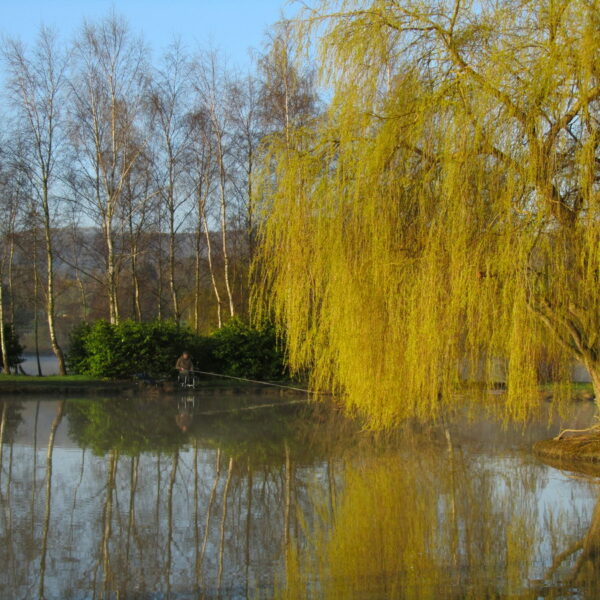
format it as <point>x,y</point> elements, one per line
<point>158,492</point>
<point>248,527</point>
<point>211,501</point>
<point>133,482</point>
<point>2,430</point>
<point>168,562</point>
<point>44,549</point>
<point>196,515</point>
<point>5,499</point>
<point>34,486</point>
<point>113,459</point>
<point>223,522</point>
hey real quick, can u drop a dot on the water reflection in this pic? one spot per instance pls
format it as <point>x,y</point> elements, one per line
<point>192,497</point>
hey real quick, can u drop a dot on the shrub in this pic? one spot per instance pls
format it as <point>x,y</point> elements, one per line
<point>245,351</point>
<point>13,347</point>
<point>100,349</point>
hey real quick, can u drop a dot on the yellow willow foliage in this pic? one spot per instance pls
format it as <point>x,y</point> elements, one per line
<point>442,216</point>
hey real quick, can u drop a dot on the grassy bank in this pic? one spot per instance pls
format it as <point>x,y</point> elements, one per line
<point>85,385</point>
<point>57,384</point>
<point>47,378</point>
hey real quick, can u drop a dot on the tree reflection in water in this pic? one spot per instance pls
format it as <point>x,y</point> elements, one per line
<point>292,502</point>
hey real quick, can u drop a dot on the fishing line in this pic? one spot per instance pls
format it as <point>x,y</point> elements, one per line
<point>278,385</point>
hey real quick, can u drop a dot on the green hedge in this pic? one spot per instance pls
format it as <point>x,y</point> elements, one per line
<point>100,349</point>
<point>244,351</point>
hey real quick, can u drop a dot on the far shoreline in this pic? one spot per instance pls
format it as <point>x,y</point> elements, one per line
<point>70,385</point>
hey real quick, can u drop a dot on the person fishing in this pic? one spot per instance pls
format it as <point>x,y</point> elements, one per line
<point>184,366</point>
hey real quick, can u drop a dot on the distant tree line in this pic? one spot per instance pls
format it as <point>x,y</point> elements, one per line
<point>126,184</point>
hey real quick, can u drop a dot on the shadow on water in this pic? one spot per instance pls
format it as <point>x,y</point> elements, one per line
<point>169,498</point>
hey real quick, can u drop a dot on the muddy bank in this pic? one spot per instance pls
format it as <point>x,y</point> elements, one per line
<point>584,448</point>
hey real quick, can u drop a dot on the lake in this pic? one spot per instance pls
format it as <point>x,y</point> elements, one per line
<point>212,496</point>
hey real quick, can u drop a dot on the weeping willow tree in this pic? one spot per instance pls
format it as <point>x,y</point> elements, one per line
<point>443,214</point>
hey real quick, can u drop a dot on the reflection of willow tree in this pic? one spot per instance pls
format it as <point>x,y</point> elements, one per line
<point>587,567</point>
<point>129,425</point>
<point>579,564</point>
<point>403,529</point>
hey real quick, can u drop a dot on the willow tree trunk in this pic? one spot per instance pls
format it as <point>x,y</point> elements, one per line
<point>594,370</point>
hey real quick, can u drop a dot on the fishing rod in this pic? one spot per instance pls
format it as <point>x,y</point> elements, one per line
<point>277,385</point>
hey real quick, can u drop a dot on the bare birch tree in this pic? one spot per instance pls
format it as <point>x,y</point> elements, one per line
<point>36,87</point>
<point>245,112</point>
<point>108,90</point>
<point>202,175</point>
<point>169,97</point>
<point>210,85</point>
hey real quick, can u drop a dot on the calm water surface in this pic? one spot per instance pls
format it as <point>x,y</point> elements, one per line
<point>182,497</point>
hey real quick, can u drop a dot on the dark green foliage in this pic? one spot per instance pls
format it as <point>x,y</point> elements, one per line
<point>244,351</point>
<point>13,347</point>
<point>77,357</point>
<point>100,349</point>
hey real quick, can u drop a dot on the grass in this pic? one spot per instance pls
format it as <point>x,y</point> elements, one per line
<point>57,384</point>
<point>575,386</point>
<point>47,378</point>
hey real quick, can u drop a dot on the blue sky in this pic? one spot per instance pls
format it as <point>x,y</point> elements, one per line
<point>232,26</point>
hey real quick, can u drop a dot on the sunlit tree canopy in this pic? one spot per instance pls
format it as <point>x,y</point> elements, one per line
<point>443,214</point>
